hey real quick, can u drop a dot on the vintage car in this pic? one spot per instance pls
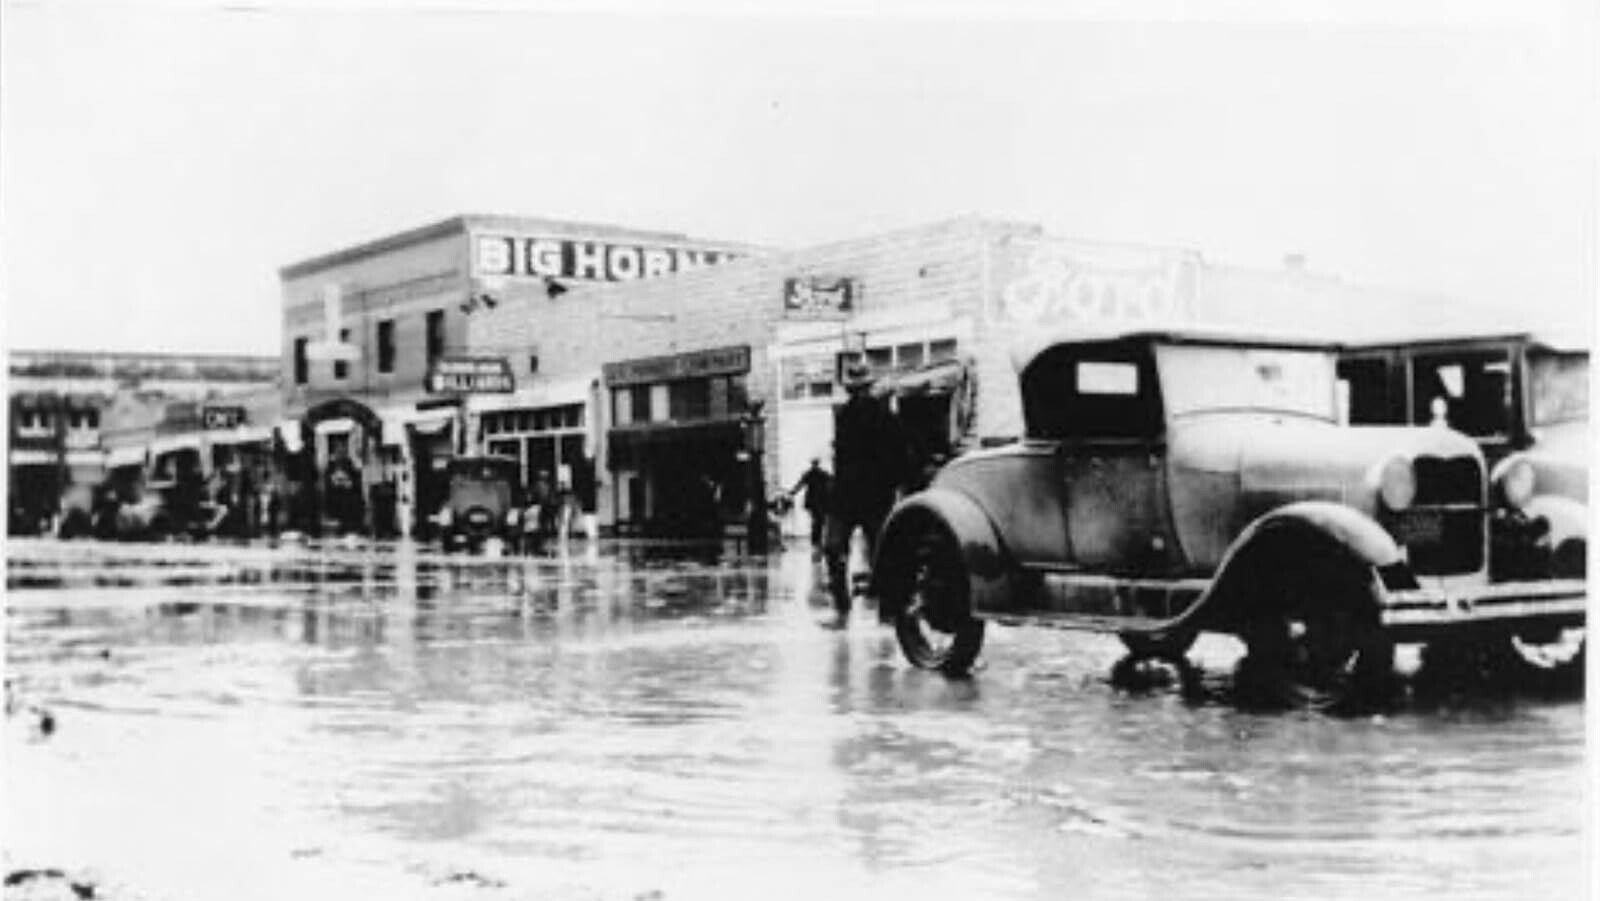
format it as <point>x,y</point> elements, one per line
<point>1525,399</point>
<point>483,501</point>
<point>1176,481</point>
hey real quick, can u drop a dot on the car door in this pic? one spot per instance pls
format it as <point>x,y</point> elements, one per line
<point>1113,458</point>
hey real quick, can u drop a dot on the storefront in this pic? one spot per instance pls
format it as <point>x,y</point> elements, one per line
<point>548,428</point>
<point>676,448</point>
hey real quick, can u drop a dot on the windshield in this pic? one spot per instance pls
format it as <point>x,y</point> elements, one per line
<point>1559,389</point>
<point>1203,379</point>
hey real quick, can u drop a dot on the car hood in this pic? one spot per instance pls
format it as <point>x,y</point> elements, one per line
<point>1287,459</point>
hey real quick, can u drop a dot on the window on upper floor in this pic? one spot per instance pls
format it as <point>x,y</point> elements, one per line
<point>435,335</point>
<point>386,346</point>
<point>302,364</point>
<point>341,369</point>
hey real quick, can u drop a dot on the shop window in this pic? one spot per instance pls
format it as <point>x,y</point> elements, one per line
<point>525,421</point>
<point>302,365</point>
<point>940,351</point>
<point>386,346</point>
<point>641,403</point>
<point>690,399</point>
<point>880,358</point>
<point>92,418</point>
<point>660,403</point>
<point>622,406</point>
<point>341,369</point>
<point>435,335</point>
<point>908,356</point>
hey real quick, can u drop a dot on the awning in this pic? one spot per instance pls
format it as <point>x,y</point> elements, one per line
<point>166,444</point>
<point>552,393</point>
<point>87,458</point>
<point>396,421</point>
<point>29,456</point>
<point>936,378</point>
<point>289,434</point>
<point>131,455</point>
<point>245,434</point>
<point>337,426</point>
<point>626,440</point>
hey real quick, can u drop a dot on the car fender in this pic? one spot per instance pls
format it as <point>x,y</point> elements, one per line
<point>988,570</point>
<point>1568,519</point>
<point>1327,530</point>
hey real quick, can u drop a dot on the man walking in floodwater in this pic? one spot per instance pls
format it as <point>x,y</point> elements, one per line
<point>818,486</point>
<point>869,464</point>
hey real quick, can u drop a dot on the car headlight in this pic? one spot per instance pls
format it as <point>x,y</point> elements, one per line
<point>1397,484</point>
<point>1515,478</point>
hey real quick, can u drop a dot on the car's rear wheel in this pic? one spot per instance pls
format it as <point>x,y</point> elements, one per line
<point>1313,639</point>
<point>934,623</point>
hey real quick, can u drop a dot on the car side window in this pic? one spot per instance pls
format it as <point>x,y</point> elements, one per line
<point>1076,393</point>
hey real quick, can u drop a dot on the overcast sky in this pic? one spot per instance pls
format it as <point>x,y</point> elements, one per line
<point>160,161</point>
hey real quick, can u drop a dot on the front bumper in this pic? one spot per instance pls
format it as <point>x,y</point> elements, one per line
<point>1439,609</point>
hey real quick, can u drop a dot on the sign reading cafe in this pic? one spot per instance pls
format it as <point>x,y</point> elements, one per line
<point>517,256</point>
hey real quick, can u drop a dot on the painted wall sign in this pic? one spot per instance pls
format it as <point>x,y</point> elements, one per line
<point>518,256</point>
<point>699,364</point>
<point>819,298</point>
<point>1055,282</point>
<point>221,417</point>
<point>470,375</point>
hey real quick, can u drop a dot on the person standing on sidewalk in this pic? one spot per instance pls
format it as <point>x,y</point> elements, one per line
<point>869,464</point>
<point>818,486</point>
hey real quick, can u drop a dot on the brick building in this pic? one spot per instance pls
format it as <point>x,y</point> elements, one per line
<point>69,414</point>
<point>677,368</point>
<point>393,399</point>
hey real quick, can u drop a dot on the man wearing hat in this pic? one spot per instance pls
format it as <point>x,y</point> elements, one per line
<point>869,466</point>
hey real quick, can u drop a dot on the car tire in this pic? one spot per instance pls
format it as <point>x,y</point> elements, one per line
<point>1313,640</point>
<point>934,622</point>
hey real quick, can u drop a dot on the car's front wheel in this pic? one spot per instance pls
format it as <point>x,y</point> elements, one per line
<point>934,623</point>
<point>1313,639</point>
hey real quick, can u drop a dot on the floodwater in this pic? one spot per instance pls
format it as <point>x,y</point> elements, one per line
<point>229,722</point>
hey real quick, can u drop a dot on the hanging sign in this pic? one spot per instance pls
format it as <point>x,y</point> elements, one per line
<point>470,375</point>
<point>819,298</point>
<point>212,418</point>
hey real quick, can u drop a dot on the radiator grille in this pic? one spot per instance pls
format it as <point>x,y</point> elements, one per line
<point>1444,530</point>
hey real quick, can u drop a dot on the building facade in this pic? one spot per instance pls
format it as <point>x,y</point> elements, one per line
<point>70,413</point>
<point>710,383</point>
<point>378,367</point>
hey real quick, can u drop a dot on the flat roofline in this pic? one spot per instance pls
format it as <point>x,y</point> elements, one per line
<point>34,355</point>
<point>463,223</point>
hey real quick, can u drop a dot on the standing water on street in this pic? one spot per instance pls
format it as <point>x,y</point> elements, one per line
<point>611,722</point>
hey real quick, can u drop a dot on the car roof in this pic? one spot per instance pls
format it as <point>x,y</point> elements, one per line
<point>1025,351</point>
<point>1556,342</point>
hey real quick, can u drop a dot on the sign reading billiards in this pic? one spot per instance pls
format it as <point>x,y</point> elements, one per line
<point>470,375</point>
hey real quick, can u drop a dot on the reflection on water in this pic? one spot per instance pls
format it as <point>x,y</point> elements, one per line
<point>322,722</point>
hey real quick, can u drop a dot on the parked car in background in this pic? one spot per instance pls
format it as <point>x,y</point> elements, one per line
<point>1171,482</point>
<point>1525,400</point>
<point>483,502</point>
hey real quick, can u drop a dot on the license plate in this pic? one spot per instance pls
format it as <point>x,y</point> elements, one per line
<point>1420,528</point>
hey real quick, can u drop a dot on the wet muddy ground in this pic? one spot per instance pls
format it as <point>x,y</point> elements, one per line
<point>206,722</point>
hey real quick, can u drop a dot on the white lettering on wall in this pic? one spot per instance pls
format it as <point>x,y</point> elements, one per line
<point>622,263</point>
<point>544,257</point>
<point>503,256</point>
<point>588,260</point>
<point>1058,285</point>
<point>657,262</point>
